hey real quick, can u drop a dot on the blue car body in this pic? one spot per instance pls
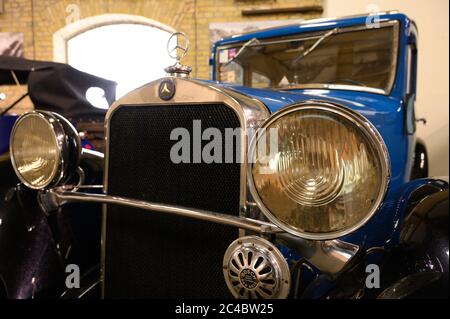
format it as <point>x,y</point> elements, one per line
<point>6,124</point>
<point>388,112</point>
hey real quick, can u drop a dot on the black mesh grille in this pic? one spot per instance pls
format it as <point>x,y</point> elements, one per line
<point>152,255</point>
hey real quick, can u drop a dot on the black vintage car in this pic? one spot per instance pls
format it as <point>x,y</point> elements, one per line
<point>52,87</point>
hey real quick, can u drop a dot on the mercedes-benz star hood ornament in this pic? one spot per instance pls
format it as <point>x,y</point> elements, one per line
<point>177,48</point>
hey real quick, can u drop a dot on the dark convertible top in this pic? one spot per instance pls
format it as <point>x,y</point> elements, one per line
<point>56,87</point>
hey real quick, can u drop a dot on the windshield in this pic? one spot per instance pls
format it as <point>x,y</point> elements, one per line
<point>364,58</point>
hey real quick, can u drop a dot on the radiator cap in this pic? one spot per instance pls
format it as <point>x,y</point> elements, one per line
<point>177,48</point>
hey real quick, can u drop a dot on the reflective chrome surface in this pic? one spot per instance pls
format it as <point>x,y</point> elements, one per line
<point>85,153</point>
<point>177,51</point>
<point>345,87</point>
<point>51,200</point>
<point>328,256</point>
<point>254,268</point>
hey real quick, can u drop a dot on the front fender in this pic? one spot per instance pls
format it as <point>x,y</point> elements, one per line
<point>418,266</point>
<point>30,266</point>
<point>34,247</point>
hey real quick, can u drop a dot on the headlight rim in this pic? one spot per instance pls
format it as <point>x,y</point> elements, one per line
<point>364,125</point>
<point>62,130</point>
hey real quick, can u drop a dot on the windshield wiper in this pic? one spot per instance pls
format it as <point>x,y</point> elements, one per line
<point>242,49</point>
<point>315,45</point>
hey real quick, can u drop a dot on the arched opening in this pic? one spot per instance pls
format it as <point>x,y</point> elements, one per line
<point>130,50</point>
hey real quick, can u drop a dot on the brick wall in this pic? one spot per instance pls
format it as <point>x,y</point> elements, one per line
<point>40,19</point>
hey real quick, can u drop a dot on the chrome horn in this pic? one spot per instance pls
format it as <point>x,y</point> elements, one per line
<point>255,269</point>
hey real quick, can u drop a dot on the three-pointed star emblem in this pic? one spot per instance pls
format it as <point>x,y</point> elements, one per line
<point>166,89</point>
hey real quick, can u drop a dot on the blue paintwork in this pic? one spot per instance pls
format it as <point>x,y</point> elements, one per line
<point>6,124</point>
<point>385,112</point>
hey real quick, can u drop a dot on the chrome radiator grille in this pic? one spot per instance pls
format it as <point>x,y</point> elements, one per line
<point>155,255</point>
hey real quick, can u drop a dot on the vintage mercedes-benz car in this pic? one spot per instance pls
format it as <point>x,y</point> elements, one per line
<point>292,174</point>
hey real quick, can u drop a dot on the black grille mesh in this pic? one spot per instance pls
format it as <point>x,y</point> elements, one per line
<point>152,255</point>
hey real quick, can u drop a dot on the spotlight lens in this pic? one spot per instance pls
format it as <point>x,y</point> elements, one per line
<point>34,150</point>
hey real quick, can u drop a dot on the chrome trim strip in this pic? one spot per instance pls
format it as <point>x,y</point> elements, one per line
<point>54,198</point>
<point>395,56</point>
<point>365,126</point>
<point>86,153</point>
<point>325,86</point>
<point>88,289</point>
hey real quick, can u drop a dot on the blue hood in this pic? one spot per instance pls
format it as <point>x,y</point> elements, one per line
<point>386,113</point>
<point>379,109</point>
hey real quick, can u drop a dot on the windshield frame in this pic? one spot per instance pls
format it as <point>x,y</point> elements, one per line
<point>395,24</point>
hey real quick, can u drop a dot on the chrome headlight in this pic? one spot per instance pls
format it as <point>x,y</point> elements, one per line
<point>45,149</point>
<point>328,176</point>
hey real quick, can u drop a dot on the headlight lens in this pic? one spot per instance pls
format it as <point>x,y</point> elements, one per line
<point>40,147</point>
<point>328,176</point>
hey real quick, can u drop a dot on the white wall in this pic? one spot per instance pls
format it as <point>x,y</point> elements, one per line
<point>432,20</point>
